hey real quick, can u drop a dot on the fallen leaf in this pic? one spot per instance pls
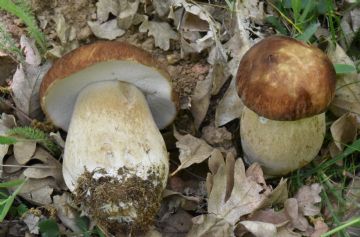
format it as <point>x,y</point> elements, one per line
<point>298,221</point>
<point>6,122</point>
<point>66,212</point>
<point>162,7</point>
<point>107,30</point>
<point>176,223</point>
<point>344,130</point>
<point>105,7</point>
<point>230,107</point>
<point>200,100</point>
<point>64,31</point>
<point>278,218</point>
<point>23,151</point>
<point>7,68</point>
<point>32,55</point>
<point>50,167</point>
<point>260,229</point>
<point>320,228</point>
<point>192,150</point>
<point>225,210</point>
<point>32,222</point>
<point>307,196</point>
<point>347,94</point>
<point>161,31</point>
<point>210,226</point>
<point>25,87</point>
<point>127,13</point>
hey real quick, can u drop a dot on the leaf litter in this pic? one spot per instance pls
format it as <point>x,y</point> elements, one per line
<point>202,52</point>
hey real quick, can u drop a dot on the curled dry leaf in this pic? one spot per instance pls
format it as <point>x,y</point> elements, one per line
<point>65,211</point>
<point>6,122</point>
<point>320,228</point>
<point>230,107</point>
<point>43,176</point>
<point>162,7</point>
<point>32,55</point>
<point>127,12</point>
<point>23,151</point>
<point>344,130</point>
<point>32,222</point>
<point>260,229</point>
<point>25,87</point>
<point>64,31</point>
<point>347,94</point>
<point>161,31</point>
<point>105,7</point>
<point>200,100</point>
<point>107,30</point>
<point>229,199</point>
<point>192,150</point>
<point>307,197</point>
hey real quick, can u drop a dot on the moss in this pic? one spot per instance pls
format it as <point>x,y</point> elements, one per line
<point>125,203</point>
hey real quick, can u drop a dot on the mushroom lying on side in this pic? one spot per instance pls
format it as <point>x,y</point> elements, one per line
<point>111,98</point>
<point>286,86</point>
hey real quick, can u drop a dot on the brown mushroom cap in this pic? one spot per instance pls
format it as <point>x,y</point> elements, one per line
<point>104,61</point>
<point>281,78</point>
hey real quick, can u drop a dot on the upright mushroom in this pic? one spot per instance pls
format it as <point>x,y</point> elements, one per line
<point>286,86</point>
<point>111,98</point>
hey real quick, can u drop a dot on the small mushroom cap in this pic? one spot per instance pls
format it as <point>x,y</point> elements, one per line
<point>106,61</point>
<point>281,78</point>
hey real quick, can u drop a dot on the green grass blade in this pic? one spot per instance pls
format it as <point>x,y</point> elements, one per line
<point>23,12</point>
<point>7,140</point>
<point>9,201</point>
<point>309,32</point>
<point>344,68</point>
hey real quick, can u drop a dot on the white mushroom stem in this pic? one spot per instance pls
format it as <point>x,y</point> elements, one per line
<point>112,131</point>
<point>281,146</point>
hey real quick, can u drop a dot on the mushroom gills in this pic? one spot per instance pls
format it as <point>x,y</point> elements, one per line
<point>281,146</point>
<point>115,158</point>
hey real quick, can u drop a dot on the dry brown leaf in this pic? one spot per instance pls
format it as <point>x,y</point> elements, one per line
<point>23,151</point>
<point>246,196</point>
<point>285,232</point>
<point>32,222</point>
<point>107,30</point>
<point>210,226</point>
<point>11,165</point>
<point>127,13</point>
<point>260,229</point>
<point>162,7</point>
<point>307,197</point>
<point>344,130</point>
<point>216,136</point>
<point>65,211</point>
<point>38,191</point>
<point>64,31</point>
<point>105,7</point>
<point>6,122</point>
<point>7,68</point>
<point>32,55</point>
<point>320,228</point>
<point>161,31</point>
<point>25,87</point>
<point>50,167</point>
<point>230,107</point>
<point>176,224</point>
<point>270,216</point>
<point>192,150</point>
<point>200,100</point>
<point>297,220</point>
<point>347,94</point>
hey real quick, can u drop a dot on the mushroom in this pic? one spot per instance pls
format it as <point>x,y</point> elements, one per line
<point>111,98</point>
<point>286,86</point>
